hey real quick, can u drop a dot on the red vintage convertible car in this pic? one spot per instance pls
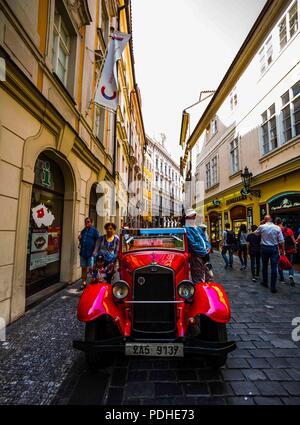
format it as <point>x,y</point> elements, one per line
<point>154,309</point>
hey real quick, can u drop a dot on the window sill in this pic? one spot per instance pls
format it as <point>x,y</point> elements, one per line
<point>281,148</point>
<point>236,174</point>
<point>212,187</point>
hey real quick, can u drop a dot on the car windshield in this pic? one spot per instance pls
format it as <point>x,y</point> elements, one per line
<point>139,239</point>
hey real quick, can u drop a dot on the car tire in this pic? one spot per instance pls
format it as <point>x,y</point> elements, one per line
<point>213,331</point>
<point>95,331</point>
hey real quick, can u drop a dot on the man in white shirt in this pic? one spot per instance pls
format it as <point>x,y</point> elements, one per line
<point>272,243</point>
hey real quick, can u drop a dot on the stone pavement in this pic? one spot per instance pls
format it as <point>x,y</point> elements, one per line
<point>265,368</point>
<point>38,352</point>
<point>39,366</point>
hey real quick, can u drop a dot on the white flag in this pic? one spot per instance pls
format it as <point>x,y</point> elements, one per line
<point>107,91</point>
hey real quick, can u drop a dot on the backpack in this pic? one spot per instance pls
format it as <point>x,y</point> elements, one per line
<point>288,241</point>
<point>230,237</point>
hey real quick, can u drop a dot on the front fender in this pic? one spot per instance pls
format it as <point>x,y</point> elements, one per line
<point>97,300</point>
<point>209,299</point>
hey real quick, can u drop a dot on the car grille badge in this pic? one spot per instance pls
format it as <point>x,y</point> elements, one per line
<point>141,280</point>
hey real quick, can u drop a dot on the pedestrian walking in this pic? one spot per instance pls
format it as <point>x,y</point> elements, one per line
<point>242,246</point>
<point>290,247</point>
<point>107,246</point>
<point>253,241</point>
<point>199,248</point>
<point>87,242</point>
<point>272,243</point>
<point>228,245</point>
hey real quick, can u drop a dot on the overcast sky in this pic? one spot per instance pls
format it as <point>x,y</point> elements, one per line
<point>182,47</point>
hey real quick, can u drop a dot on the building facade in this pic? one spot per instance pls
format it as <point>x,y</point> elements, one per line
<point>166,186</point>
<point>147,189</point>
<point>59,152</point>
<point>253,121</point>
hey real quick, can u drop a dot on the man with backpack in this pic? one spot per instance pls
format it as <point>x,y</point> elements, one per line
<point>228,245</point>
<point>290,249</point>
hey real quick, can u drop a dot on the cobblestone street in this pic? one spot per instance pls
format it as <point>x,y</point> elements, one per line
<point>39,365</point>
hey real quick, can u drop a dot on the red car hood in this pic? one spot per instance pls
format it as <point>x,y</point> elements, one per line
<point>135,260</point>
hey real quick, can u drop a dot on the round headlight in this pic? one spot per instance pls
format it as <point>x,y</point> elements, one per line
<point>186,289</point>
<point>120,289</point>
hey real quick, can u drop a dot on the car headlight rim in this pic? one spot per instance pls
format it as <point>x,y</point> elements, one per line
<point>186,290</point>
<point>120,289</point>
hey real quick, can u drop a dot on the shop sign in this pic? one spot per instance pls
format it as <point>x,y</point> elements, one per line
<point>44,174</point>
<point>236,199</point>
<point>216,202</point>
<point>285,202</point>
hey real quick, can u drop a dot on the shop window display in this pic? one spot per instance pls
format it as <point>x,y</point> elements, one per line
<point>45,226</point>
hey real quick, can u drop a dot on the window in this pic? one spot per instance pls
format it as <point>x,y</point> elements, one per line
<point>269,130</point>
<point>296,108</point>
<point>233,100</point>
<point>234,155</point>
<point>99,123</point>
<point>208,176</point>
<point>60,48</point>
<point>288,26</point>
<point>269,51</point>
<point>104,22</point>
<point>266,55</point>
<point>293,19</point>
<point>214,126</point>
<point>291,112</point>
<point>262,60</point>
<point>282,33</point>
<point>156,163</point>
<point>214,171</point>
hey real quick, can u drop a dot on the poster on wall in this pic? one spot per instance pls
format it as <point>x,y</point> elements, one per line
<point>54,235</point>
<point>39,240</point>
<point>38,248</point>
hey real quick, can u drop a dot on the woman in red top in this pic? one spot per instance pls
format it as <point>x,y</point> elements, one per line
<point>290,249</point>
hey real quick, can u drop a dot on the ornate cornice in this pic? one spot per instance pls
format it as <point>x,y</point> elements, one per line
<point>82,8</point>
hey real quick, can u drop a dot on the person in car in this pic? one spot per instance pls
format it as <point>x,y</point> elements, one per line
<point>199,247</point>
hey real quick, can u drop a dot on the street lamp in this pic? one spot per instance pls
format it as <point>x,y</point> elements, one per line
<point>246,179</point>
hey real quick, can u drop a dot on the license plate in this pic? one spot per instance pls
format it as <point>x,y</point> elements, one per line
<point>158,350</point>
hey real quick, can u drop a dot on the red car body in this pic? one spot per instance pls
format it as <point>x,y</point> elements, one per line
<point>136,318</point>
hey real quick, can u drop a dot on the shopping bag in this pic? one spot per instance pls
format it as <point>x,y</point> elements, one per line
<point>284,263</point>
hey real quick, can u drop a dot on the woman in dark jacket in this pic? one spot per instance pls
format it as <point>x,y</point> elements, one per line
<point>253,241</point>
<point>242,246</point>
